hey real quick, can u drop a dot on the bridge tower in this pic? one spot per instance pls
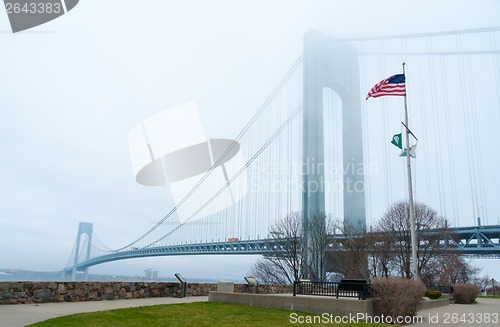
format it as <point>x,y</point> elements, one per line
<point>331,63</point>
<point>83,228</point>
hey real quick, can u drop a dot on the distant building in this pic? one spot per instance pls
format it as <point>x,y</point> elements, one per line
<point>147,273</point>
<point>155,274</point>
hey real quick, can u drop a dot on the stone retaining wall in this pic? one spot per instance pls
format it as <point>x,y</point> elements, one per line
<point>37,292</point>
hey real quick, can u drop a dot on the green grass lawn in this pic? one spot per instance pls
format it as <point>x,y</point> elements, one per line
<point>497,296</point>
<point>184,315</point>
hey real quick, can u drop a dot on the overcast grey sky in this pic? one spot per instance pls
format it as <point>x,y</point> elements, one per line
<point>73,88</point>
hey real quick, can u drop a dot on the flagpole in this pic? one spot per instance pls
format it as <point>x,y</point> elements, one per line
<point>411,208</point>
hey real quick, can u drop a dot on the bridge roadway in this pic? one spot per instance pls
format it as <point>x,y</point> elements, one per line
<point>476,242</point>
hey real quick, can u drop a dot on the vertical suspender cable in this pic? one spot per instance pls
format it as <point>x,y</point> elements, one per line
<point>437,135</point>
<point>383,115</point>
<point>424,120</point>
<point>465,108</point>
<point>449,144</point>
<point>496,66</point>
<point>366,144</point>
<point>477,159</point>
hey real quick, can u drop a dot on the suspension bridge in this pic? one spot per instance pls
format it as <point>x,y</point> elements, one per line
<point>316,146</point>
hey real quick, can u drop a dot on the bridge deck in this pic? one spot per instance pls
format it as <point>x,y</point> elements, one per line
<point>477,242</point>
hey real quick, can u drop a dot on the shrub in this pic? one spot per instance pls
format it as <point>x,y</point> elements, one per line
<point>465,293</point>
<point>397,296</point>
<point>433,294</point>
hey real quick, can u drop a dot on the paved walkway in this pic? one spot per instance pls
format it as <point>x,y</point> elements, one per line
<point>485,313</point>
<point>18,315</point>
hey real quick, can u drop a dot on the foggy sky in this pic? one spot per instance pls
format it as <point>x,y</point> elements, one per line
<point>73,88</point>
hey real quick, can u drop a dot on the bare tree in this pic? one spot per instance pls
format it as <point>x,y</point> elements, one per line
<point>449,269</point>
<point>318,228</point>
<point>350,251</point>
<point>266,272</point>
<point>381,258</point>
<point>296,254</point>
<point>431,229</point>
<point>483,282</point>
<point>284,262</point>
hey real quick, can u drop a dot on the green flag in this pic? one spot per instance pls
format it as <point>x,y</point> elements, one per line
<point>397,140</point>
<point>413,152</point>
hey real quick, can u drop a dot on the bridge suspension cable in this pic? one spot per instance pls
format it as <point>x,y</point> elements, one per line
<point>294,67</point>
<point>423,35</point>
<point>273,135</point>
<point>252,159</point>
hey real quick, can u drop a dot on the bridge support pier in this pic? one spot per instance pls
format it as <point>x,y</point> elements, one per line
<point>83,228</point>
<point>331,63</point>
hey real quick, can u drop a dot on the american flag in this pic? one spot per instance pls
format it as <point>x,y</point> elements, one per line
<point>394,85</point>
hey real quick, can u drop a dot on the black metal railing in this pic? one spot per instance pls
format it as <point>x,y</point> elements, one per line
<point>346,288</point>
<point>441,288</point>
